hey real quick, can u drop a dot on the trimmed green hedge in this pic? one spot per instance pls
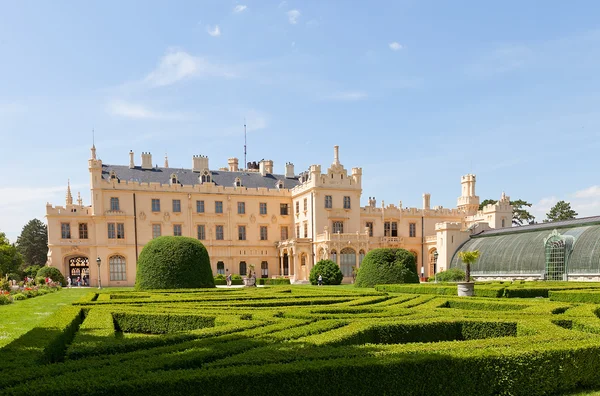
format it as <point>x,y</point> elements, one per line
<point>273,281</point>
<point>160,323</point>
<point>330,271</point>
<point>173,262</point>
<point>221,282</point>
<point>387,266</point>
<point>450,275</point>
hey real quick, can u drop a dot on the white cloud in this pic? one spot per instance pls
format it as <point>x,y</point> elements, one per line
<point>282,4</point>
<point>214,32</point>
<point>501,60</point>
<point>590,192</point>
<point>239,8</point>
<point>178,65</point>
<point>585,202</point>
<point>293,16</point>
<point>125,109</point>
<point>347,96</point>
<point>395,46</point>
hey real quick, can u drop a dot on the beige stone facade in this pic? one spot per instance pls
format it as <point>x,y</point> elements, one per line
<point>278,224</point>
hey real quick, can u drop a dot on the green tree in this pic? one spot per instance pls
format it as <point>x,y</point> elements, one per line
<point>561,211</point>
<point>468,257</point>
<point>520,214</point>
<point>330,271</point>
<point>10,259</point>
<point>33,243</point>
<point>387,266</point>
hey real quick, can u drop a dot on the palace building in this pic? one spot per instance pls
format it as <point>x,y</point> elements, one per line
<point>280,224</point>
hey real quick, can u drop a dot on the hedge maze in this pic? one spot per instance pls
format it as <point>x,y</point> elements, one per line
<point>310,340</point>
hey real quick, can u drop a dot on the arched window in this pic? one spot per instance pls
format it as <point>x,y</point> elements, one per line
<point>264,269</point>
<point>347,261</point>
<point>303,260</point>
<point>117,268</point>
<point>333,256</point>
<point>279,184</point>
<point>238,182</point>
<point>174,178</point>
<point>503,223</point>
<point>361,256</point>
<point>205,178</point>
<point>242,268</point>
<point>220,267</point>
<point>113,175</point>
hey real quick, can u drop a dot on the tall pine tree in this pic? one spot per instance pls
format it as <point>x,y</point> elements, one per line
<point>561,211</point>
<point>33,243</point>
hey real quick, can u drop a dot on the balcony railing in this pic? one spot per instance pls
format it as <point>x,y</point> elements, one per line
<point>327,236</point>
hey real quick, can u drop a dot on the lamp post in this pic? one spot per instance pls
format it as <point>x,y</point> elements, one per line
<point>99,261</point>
<point>435,257</point>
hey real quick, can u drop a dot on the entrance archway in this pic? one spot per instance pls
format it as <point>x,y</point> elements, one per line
<point>79,271</point>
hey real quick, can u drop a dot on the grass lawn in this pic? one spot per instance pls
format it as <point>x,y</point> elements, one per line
<point>19,317</point>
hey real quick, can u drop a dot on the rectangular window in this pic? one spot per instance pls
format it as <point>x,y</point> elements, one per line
<point>328,202</point>
<point>370,227</point>
<point>155,205</point>
<point>83,231</point>
<point>199,206</point>
<point>112,233</point>
<point>241,207</point>
<point>394,229</point>
<point>338,227</point>
<point>242,233</point>
<point>283,209</point>
<point>176,206</point>
<point>65,230</point>
<point>263,233</point>
<point>120,230</point>
<point>176,229</point>
<point>242,268</point>
<point>390,228</point>
<point>284,233</point>
<point>117,268</point>
<point>114,203</point>
<point>305,204</point>
<point>412,230</point>
<point>221,268</point>
<point>156,232</point>
<point>263,208</point>
<point>298,231</point>
<point>297,206</point>
<point>201,232</point>
<point>219,233</point>
<point>305,230</point>
<point>218,206</point>
<point>264,269</point>
<point>346,202</point>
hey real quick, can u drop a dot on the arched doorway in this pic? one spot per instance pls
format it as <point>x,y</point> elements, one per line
<point>79,271</point>
<point>432,262</point>
<point>347,261</point>
<point>286,264</point>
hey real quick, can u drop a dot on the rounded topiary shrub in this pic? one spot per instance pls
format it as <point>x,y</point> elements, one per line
<point>52,273</point>
<point>173,262</point>
<point>331,273</point>
<point>385,266</point>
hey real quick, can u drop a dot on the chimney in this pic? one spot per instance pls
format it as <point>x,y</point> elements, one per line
<point>336,155</point>
<point>269,166</point>
<point>146,160</point>
<point>289,170</point>
<point>131,163</point>
<point>426,200</point>
<point>262,168</point>
<point>372,202</point>
<point>199,163</point>
<point>233,164</point>
<point>166,161</point>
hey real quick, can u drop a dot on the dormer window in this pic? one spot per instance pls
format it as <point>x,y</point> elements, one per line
<point>113,175</point>
<point>279,184</point>
<point>205,177</point>
<point>174,179</point>
<point>238,182</point>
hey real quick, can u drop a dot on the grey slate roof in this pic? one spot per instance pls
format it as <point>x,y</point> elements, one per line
<point>542,226</point>
<point>187,177</point>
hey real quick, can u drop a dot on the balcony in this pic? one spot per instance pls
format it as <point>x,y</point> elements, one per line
<point>388,239</point>
<point>342,237</point>
<point>431,239</point>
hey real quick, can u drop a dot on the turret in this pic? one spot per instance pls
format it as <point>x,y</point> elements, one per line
<point>289,170</point>
<point>468,201</point>
<point>426,201</point>
<point>233,164</point>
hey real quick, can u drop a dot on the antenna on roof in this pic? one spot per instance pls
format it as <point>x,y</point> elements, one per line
<point>245,163</point>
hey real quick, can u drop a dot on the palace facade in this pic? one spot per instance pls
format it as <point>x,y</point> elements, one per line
<point>278,224</point>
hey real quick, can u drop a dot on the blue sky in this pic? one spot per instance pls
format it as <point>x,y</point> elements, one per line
<point>417,93</point>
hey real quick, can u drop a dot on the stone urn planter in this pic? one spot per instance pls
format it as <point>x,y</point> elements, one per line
<point>250,282</point>
<point>466,289</point>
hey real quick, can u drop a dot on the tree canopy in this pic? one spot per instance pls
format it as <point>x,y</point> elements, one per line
<point>33,243</point>
<point>561,211</point>
<point>520,215</point>
<point>10,259</point>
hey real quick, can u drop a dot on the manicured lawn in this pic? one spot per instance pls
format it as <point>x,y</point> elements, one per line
<point>21,316</point>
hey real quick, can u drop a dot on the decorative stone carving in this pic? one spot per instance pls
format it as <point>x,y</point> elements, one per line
<point>252,218</point>
<point>273,219</point>
<point>142,216</point>
<point>167,217</point>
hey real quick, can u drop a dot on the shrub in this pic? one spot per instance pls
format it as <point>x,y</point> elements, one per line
<point>173,262</point>
<point>387,266</point>
<point>273,281</point>
<point>451,275</point>
<point>4,285</point>
<point>52,273</point>
<point>31,271</point>
<point>5,299</point>
<point>14,276</point>
<point>331,273</point>
<point>236,277</point>
<point>19,296</point>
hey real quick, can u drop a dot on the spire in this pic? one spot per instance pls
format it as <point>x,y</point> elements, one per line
<point>79,200</point>
<point>166,161</point>
<point>69,196</point>
<point>93,145</point>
